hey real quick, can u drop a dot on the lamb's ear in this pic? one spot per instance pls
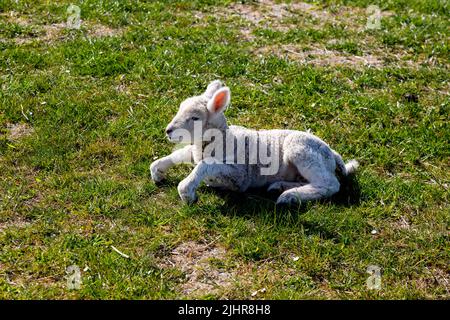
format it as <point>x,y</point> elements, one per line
<point>220,100</point>
<point>212,88</point>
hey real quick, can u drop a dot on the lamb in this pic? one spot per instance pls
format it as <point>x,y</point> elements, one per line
<point>302,167</point>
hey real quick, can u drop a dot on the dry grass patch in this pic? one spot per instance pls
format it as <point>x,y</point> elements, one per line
<point>100,31</point>
<point>16,222</point>
<point>278,16</point>
<point>403,223</point>
<point>18,131</point>
<point>321,57</point>
<point>284,17</point>
<point>195,260</point>
<point>208,272</point>
<point>433,276</point>
<point>442,277</point>
<point>372,57</point>
<point>56,31</point>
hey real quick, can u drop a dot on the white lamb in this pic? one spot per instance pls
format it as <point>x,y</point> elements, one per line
<point>306,167</point>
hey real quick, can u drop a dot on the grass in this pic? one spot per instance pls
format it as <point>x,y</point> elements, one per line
<point>82,114</point>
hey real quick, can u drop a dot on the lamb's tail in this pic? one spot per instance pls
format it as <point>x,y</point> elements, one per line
<point>346,168</point>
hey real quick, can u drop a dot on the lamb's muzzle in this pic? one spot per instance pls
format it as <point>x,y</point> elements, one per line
<point>298,164</point>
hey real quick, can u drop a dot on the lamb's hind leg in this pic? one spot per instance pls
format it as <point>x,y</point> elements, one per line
<point>322,184</point>
<point>281,186</point>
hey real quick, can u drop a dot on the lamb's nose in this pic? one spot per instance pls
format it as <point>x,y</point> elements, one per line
<point>169,131</point>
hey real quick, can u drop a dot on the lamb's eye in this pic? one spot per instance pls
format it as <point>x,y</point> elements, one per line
<point>195,118</point>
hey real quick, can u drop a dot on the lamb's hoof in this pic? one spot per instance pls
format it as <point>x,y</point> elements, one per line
<point>289,199</point>
<point>186,192</point>
<point>156,173</point>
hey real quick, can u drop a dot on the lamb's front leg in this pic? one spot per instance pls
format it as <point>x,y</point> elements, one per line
<point>159,167</point>
<point>231,177</point>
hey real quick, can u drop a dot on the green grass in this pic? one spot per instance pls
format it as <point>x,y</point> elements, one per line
<point>94,108</point>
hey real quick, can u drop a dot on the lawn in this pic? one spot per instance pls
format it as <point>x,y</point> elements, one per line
<point>83,112</point>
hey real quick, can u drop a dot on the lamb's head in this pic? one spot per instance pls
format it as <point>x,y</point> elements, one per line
<point>200,113</point>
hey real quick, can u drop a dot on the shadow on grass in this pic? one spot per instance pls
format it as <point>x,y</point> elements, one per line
<point>349,195</point>
<point>261,204</point>
<point>257,201</point>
